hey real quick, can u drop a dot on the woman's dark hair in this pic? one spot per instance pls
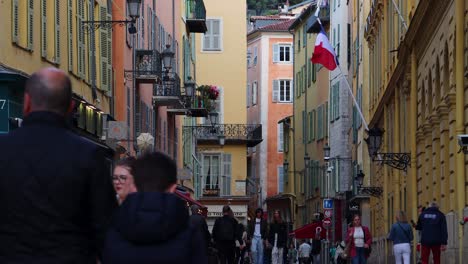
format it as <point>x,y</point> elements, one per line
<point>280,220</point>
<point>125,162</point>
<point>258,210</point>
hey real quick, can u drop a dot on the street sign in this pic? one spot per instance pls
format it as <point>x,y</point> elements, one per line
<point>327,203</point>
<point>328,213</point>
<point>327,223</point>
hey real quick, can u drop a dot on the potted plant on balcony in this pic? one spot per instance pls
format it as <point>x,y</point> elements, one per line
<point>208,94</point>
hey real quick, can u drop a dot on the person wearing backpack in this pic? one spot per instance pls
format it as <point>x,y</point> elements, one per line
<point>225,235</point>
<point>402,235</point>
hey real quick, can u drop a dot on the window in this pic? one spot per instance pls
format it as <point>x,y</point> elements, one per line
<point>282,53</point>
<point>304,123</point>
<point>227,171</point>
<point>310,127</point>
<point>212,39</point>
<point>216,172</point>
<point>248,95</point>
<point>255,56</point>
<point>282,91</point>
<point>280,137</point>
<point>254,93</point>
<point>320,122</point>
<point>23,23</point>
<point>335,103</point>
<point>280,179</point>
<point>304,35</point>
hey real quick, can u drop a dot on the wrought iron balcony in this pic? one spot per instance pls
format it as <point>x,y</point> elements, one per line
<point>233,133</point>
<point>196,16</point>
<point>148,67</point>
<point>312,23</point>
<point>167,90</point>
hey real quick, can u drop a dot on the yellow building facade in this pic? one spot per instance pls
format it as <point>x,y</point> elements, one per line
<point>417,96</point>
<point>48,33</point>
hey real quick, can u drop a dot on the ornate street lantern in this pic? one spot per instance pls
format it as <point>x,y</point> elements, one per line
<point>167,57</point>
<point>326,153</point>
<point>134,7</point>
<point>374,141</point>
<point>189,87</point>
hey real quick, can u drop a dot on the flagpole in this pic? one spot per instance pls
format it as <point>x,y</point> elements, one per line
<point>354,98</point>
<point>399,14</point>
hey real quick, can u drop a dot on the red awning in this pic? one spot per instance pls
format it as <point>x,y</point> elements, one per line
<point>186,197</point>
<point>309,230</point>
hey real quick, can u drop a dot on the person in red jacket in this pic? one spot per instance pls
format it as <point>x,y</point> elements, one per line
<point>359,239</point>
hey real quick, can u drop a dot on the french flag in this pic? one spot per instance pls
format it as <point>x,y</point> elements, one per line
<point>324,53</point>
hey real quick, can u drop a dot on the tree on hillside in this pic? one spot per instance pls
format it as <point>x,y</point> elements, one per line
<point>262,6</point>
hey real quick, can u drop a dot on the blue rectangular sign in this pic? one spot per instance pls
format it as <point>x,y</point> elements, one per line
<point>327,203</point>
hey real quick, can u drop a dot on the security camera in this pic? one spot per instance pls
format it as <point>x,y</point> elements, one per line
<point>330,169</point>
<point>463,140</point>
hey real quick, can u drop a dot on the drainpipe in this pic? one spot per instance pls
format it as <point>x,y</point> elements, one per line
<point>460,114</point>
<point>413,131</point>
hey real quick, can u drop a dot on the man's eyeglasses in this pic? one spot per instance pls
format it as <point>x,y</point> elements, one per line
<point>119,178</point>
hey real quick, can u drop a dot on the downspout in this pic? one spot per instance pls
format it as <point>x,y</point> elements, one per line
<point>460,114</point>
<point>413,119</point>
<point>294,130</point>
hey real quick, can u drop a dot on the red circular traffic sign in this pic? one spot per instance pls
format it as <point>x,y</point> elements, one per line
<point>327,223</point>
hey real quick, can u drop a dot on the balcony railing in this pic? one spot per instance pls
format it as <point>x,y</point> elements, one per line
<point>196,16</point>
<point>148,66</point>
<point>167,91</point>
<point>233,133</point>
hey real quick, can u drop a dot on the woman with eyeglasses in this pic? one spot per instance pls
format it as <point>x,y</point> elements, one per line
<point>123,179</point>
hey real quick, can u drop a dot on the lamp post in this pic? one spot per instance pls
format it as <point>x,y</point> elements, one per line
<point>189,87</point>
<point>399,161</point>
<point>134,7</point>
<point>167,57</point>
<point>371,190</point>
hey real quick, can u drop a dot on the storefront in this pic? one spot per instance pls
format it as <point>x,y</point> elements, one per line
<point>239,206</point>
<point>11,97</point>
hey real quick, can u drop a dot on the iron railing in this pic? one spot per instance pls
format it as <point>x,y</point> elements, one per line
<point>231,132</point>
<point>169,86</point>
<point>148,63</point>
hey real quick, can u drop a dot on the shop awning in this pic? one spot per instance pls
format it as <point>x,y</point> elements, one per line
<point>309,230</point>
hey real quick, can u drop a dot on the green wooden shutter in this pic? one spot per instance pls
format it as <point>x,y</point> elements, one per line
<point>276,91</point>
<point>79,36</point>
<point>320,122</point>
<point>70,35</point>
<point>57,31</point>
<point>31,24</point>
<point>109,55</point>
<point>326,119</point>
<point>304,136</point>
<point>104,51</point>
<point>337,99</point>
<point>311,123</point>
<point>309,73</point>
<point>276,55</point>
<point>298,85</point>
<point>280,179</point>
<point>15,22</point>
<point>314,117</point>
<point>314,73</point>
<point>227,171</point>
<point>44,28</point>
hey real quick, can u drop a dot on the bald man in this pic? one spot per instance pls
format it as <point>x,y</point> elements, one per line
<point>56,194</point>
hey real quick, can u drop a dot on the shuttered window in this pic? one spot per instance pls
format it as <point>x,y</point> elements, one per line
<point>282,53</point>
<point>254,93</point>
<point>70,34</point>
<point>304,126</point>
<point>15,21</point>
<point>280,179</point>
<point>57,31</point>
<point>212,39</point>
<point>280,137</point>
<point>44,28</point>
<point>80,14</point>
<point>31,25</point>
<point>227,174</point>
<point>106,51</point>
<point>320,122</point>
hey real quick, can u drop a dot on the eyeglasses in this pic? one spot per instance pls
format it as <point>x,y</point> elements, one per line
<point>119,178</point>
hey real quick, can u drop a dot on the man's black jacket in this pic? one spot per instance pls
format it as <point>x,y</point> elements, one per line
<point>56,194</point>
<point>281,230</point>
<point>433,226</point>
<point>263,228</point>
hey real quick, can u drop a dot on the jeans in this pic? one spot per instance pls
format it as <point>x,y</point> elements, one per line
<point>316,259</point>
<point>360,257</point>
<point>402,251</point>
<point>277,257</point>
<point>426,251</point>
<point>257,250</point>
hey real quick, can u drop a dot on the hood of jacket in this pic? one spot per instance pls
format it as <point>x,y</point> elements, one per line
<point>152,217</point>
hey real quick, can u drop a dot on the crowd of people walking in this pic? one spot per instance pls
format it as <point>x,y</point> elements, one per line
<point>60,205</point>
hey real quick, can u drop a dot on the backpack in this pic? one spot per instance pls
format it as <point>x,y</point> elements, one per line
<point>226,231</point>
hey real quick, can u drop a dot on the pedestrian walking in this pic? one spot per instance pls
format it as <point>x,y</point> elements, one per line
<point>292,254</point>
<point>316,248</point>
<point>304,252</point>
<point>433,226</point>
<point>124,183</point>
<point>402,235</point>
<point>359,239</point>
<point>197,221</point>
<point>257,235</point>
<point>418,247</point>
<point>225,234</point>
<point>55,187</point>
<point>277,237</point>
<point>340,253</point>
<point>152,225</point>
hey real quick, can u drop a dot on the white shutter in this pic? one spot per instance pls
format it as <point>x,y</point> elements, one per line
<point>227,171</point>
<point>276,53</point>
<point>254,93</point>
<point>30,24</point>
<point>248,95</point>
<point>275,94</point>
<point>207,35</point>
<point>291,88</point>
<point>15,15</point>
<point>280,179</point>
<point>57,31</point>
<point>280,139</point>
<point>216,35</point>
